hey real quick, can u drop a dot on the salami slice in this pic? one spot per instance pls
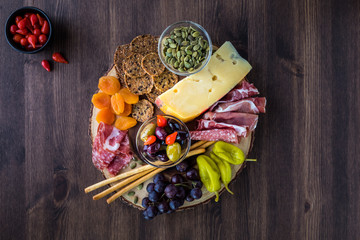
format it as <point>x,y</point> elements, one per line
<point>241,131</point>
<point>226,135</point>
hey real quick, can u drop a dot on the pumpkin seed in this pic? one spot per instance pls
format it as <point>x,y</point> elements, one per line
<point>194,54</point>
<point>133,165</point>
<point>172,45</point>
<point>131,193</point>
<point>195,34</point>
<point>187,65</point>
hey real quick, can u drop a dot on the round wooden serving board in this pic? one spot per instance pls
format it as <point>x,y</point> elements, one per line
<point>245,146</point>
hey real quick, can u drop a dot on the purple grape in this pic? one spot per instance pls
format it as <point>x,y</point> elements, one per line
<point>177,178</point>
<point>145,214</point>
<point>196,193</point>
<point>159,177</point>
<point>160,186</point>
<point>176,203</point>
<point>154,196</point>
<point>181,135</point>
<point>163,207</point>
<point>145,202</point>
<point>181,193</point>
<point>170,191</point>
<point>151,211</point>
<point>153,148</point>
<point>189,198</point>
<point>170,211</point>
<point>160,133</point>
<point>197,184</point>
<point>150,187</point>
<point>145,148</point>
<point>162,156</point>
<point>182,167</point>
<point>192,174</point>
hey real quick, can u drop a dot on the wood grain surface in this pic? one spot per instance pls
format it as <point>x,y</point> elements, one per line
<point>305,184</point>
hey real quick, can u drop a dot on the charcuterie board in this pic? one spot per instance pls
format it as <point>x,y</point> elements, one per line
<point>171,130</point>
<point>244,145</point>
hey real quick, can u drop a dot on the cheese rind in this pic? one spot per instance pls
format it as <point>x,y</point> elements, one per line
<point>196,93</point>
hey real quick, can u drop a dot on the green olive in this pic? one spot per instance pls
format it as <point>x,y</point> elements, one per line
<point>147,131</point>
<point>173,151</point>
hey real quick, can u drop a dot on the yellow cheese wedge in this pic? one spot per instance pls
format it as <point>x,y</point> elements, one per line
<point>196,93</point>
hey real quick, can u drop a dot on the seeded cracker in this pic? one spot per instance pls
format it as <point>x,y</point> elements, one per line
<point>139,85</point>
<point>165,81</point>
<point>121,52</point>
<point>152,64</point>
<point>153,95</point>
<point>120,75</point>
<point>143,44</point>
<point>132,66</point>
<point>143,110</point>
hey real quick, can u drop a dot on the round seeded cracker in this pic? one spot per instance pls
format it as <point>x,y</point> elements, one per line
<point>132,66</point>
<point>139,85</point>
<point>142,110</point>
<point>152,64</point>
<point>165,81</point>
<point>153,95</point>
<point>120,75</point>
<point>143,44</point>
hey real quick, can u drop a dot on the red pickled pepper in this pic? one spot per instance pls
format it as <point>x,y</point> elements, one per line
<point>57,57</point>
<point>150,140</point>
<point>33,19</point>
<point>32,39</point>
<point>46,65</point>
<point>170,139</point>
<point>161,121</point>
<point>45,29</point>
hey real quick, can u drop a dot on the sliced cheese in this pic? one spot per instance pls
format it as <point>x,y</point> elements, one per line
<point>196,93</point>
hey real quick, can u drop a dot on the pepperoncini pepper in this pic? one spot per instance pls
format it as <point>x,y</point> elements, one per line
<point>229,153</point>
<point>209,174</point>
<point>225,170</point>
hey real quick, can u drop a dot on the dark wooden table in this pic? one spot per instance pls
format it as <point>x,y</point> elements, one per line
<point>305,185</point>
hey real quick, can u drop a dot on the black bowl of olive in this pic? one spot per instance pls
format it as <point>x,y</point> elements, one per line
<point>163,141</point>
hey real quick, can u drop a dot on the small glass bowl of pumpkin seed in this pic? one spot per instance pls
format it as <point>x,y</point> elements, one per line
<point>185,48</point>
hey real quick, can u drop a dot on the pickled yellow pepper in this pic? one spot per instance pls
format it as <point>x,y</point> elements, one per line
<point>229,153</point>
<point>209,174</point>
<point>225,170</point>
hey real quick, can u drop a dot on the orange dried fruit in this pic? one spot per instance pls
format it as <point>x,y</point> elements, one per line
<point>117,103</point>
<point>106,116</point>
<point>127,110</point>
<point>128,96</point>
<point>109,85</point>
<point>101,100</point>
<point>124,123</point>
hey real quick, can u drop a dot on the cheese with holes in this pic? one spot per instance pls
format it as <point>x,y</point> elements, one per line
<point>196,93</point>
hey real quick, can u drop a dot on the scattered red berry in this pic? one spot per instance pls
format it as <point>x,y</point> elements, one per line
<point>46,65</point>
<point>57,57</point>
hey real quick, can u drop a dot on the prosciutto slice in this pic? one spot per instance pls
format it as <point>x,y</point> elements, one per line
<point>111,149</point>
<point>240,91</point>
<point>241,131</point>
<point>249,105</point>
<point>234,118</point>
<point>227,135</point>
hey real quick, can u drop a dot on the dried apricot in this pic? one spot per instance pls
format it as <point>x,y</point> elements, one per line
<point>127,110</point>
<point>106,116</point>
<point>117,103</point>
<point>129,97</point>
<point>123,123</point>
<point>101,100</point>
<point>109,85</point>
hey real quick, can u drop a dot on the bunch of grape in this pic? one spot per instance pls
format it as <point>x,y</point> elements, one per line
<point>166,197</point>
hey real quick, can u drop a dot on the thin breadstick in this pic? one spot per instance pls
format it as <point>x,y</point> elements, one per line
<point>197,144</point>
<point>134,184</point>
<point>208,144</point>
<point>195,152</point>
<point>120,185</point>
<point>118,177</point>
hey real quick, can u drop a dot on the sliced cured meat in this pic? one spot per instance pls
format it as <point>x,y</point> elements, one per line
<point>243,90</point>
<point>248,105</point>
<point>227,135</point>
<point>241,131</point>
<point>111,149</point>
<point>234,118</point>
